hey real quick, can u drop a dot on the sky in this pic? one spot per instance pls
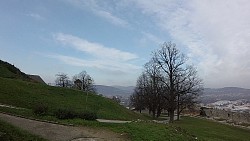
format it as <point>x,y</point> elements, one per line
<point>113,39</point>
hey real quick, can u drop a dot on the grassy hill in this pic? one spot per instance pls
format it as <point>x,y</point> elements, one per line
<point>14,91</point>
<point>208,130</point>
<point>27,95</point>
<point>10,71</point>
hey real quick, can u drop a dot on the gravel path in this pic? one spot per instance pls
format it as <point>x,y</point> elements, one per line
<point>112,121</point>
<point>56,132</point>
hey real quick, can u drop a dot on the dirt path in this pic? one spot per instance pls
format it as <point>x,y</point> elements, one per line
<point>112,121</point>
<point>56,132</point>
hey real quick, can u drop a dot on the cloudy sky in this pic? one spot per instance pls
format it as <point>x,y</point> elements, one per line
<point>112,39</point>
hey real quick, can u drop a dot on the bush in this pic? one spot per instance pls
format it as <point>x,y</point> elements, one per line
<point>88,115</point>
<point>4,137</point>
<point>40,109</point>
<point>65,114</point>
<point>70,114</point>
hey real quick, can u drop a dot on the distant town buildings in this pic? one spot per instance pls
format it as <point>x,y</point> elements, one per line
<point>237,111</point>
<point>241,105</point>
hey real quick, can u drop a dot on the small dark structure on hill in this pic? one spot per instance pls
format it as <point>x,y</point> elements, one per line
<point>203,111</point>
<point>78,84</point>
<point>36,78</point>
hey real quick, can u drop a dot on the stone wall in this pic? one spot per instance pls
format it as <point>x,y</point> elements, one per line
<point>238,117</point>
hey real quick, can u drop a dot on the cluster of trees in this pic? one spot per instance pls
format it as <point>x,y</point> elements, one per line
<point>81,81</point>
<point>167,83</point>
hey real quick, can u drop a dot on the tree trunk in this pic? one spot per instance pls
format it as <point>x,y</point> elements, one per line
<point>153,113</point>
<point>149,111</point>
<point>171,114</point>
<point>158,111</point>
<point>178,107</point>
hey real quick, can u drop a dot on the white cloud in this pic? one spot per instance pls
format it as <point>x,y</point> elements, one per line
<point>95,49</point>
<point>35,16</point>
<point>147,39</point>
<point>109,17</point>
<point>153,38</point>
<point>100,10</point>
<point>216,34</point>
<point>109,66</point>
<point>109,62</point>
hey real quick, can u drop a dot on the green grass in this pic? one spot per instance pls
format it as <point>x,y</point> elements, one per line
<point>188,128</point>
<point>27,94</point>
<point>11,133</point>
<point>6,73</point>
<point>185,130</point>
<point>10,71</point>
<point>213,131</point>
<point>145,131</point>
<point>138,131</point>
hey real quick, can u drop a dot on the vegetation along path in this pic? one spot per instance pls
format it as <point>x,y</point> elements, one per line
<point>56,132</point>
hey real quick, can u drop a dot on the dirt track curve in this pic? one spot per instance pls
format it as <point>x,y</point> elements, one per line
<point>56,132</point>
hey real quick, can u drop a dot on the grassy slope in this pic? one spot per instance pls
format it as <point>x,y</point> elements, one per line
<point>140,131</point>
<point>27,95</point>
<point>149,131</point>
<point>213,131</point>
<point>6,73</point>
<point>188,129</point>
<point>10,71</point>
<point>11,133</point>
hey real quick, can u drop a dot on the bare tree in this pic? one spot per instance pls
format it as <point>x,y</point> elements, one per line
<point>136,101</point>
<point>148,91</point>
<point>84,82</point>
<point>154,87</point>
<point>138,98</point>
<point>179,79</point>
<point>188,88</point>
<point>62,80</point>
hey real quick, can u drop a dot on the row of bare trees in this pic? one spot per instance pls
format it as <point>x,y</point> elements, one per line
<point>167,82</point>
<point>81,81</point>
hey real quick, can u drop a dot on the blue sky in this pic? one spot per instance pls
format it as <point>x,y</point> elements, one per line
<point>113,39</point>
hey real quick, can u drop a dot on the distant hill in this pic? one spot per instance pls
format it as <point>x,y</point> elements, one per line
<point>126,88</point>
<point>114,90</point>
<point>210,95</point>
<point>227,93</point>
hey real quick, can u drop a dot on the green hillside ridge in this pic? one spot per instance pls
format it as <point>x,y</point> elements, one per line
<point>27,94</point>
<point>10,71</point>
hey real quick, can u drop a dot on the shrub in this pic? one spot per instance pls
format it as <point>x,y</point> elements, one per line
<point>40,109</point>
<point>88,115</point>
<point>4,137</point>
<point>65,114</point>
<point>71,114</point>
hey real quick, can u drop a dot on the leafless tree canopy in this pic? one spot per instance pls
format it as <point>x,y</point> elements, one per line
<point>168,82</point>
<point>84,82</point>
<point>62,80</point>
